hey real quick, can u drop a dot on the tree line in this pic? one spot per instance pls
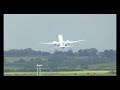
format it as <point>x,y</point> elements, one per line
<point>83,59</point>
<point>80,52</point>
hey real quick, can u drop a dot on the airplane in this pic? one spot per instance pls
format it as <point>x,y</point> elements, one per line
<point>61,43</point>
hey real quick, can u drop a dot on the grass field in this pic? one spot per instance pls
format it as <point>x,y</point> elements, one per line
<point>63,73</point>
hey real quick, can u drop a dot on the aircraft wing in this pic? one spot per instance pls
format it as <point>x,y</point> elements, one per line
<point>49,43</point>
<point>75,41</point>
<point>46,43</point>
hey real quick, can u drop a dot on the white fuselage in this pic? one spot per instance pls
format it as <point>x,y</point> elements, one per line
<point>61,41</point>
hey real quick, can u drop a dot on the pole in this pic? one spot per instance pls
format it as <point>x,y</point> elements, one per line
<point>40,71</point>
<point>37,70</point>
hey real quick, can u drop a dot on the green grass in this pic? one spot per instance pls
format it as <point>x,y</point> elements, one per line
<point>63,73</point>
<point>109,65</point>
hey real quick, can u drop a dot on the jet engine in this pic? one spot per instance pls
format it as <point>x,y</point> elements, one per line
<point>67,42</point>
<point>54,42</point>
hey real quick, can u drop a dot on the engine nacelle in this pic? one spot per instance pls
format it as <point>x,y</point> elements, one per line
<point>68,42</point>
<point>54,42</point>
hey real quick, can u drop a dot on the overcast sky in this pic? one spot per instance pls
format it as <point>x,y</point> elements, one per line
<point>28,30</point>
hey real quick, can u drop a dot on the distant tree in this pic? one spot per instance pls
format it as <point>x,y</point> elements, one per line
<point>85,52</point>
<point>100,54</point>
<point>105,53</point>
<point>29,52</point>
<point>12,52</point>
<point>80,52</point>
<point>70,52</point>
<point>38,53</point>
<point>111,53</point>
<point>76,53</point>
<point>108,53</point>
<point>114,53</point>
<point>56,52</point>
<point>45,53</point>
<point>93,52</point>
